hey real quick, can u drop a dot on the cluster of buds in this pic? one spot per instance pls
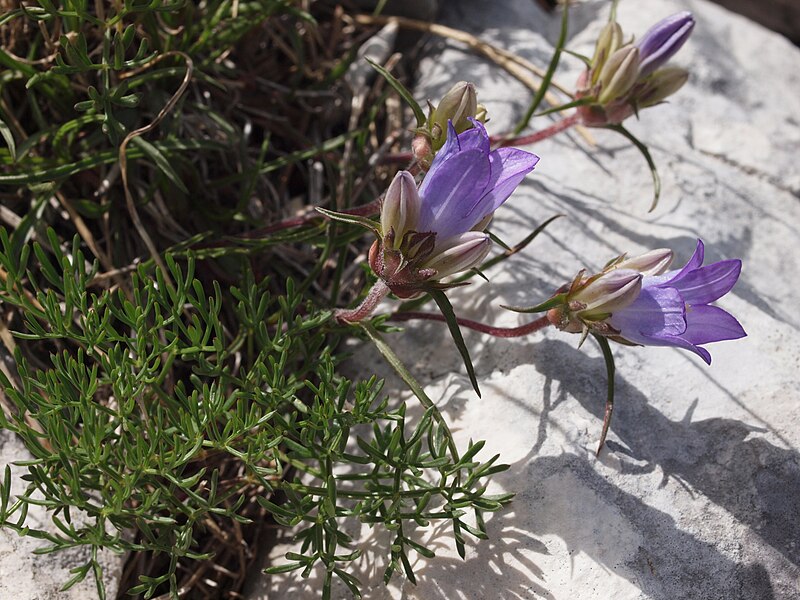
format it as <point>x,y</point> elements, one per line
<point>625,77</point>
<point>637,301</point>
<point>460,107</point>
<point>437,230</point>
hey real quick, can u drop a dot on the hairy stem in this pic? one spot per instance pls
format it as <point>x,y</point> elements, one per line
<point>378,292</point>
<point>543,134</point>
<point>503,332</point>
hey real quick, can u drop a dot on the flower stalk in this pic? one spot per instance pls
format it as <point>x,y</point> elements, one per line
<point>500,332</point>
<point>548,132</point>
<point>376,293</point>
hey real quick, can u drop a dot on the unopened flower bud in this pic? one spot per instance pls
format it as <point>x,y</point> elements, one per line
<point>609,41</point>
<point>663,40</point>
<point>606,293</point>
<point>458,106</point>
<point>660,85</point>
<point>619,74</point>
<point>400,208</point>
<point>461,253</point>
<point>650,263</point>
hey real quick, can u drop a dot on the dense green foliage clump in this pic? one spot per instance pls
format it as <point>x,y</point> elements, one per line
<point>174,364</point>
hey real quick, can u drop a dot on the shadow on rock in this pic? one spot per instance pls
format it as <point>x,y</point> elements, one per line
<point>755,481</point>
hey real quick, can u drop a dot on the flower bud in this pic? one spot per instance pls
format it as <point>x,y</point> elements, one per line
<point>663,40</point>
<point>609,41</point>
<point>457,105</point>
<point>654,262</point>
<point>660,85</point>
<point>603,295</point>
<point>400,208</point>
<point>619,74</point>
<point>460,253</point>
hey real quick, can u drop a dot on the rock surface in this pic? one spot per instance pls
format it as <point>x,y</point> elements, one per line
<point>697,495</point>
<point>27,576</point>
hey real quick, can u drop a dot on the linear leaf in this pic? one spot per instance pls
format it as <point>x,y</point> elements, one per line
<point>154,154</point>
<point>419,114</point>
<point>450,317</point>
<point>5,131</point>
<point>548,76</point>
<point>608,356</point>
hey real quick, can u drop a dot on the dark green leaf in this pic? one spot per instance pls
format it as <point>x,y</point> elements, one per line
<point>160,160</point>
<point>419,114</point>
<point>608,356</point>
<point>548,76</point>
<point>452,323</point>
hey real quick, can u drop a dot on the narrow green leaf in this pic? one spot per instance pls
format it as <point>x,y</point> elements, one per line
<point>650,163</point>
<point>5,131</point>
<point>352,219</point>
<point>326,146</point>
<point>566,106</point>
<point>608,356</point>
<point>452,323</point>
<point>411,382</point>
<point>556,300</point>
<point>419,114</point>
<point>582,57</point>
<point>285,568</point>
<point>93,160</point>
<point>548,76</point>
<point>161,161</point>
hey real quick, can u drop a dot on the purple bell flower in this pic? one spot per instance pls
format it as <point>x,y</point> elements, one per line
<point>467,182</point>
<point>674,309</point>
<point>437,230</point>
<point>663,40</point>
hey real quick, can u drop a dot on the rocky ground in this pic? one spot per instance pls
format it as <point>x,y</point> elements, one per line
<point>697,493</point>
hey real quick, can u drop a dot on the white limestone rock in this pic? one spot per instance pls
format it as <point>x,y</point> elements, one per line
<point>28,576</point>
<point>696,495</point>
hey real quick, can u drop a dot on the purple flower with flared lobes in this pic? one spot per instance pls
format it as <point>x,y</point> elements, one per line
<point>674,309</point>
<point>467,182</point>
<point>437,230</point>
<point>637,301</point>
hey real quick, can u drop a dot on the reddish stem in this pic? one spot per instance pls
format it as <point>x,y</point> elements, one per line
<point>503,332</point>
<point>377,293</point>
<point>543,134</point>
<point>498,141</point>
<point>365,210</point>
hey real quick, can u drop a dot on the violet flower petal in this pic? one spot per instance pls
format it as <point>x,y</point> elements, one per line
<point>706,324</point>
<point>472,138</point>
<point>695,262</point>
<point>677,342</point>
<point>708,283</point>
<point>655,312</point>
<point>448,194</point>
<point>663,40</point>
<point>451,146</point>
<point>509,168</point>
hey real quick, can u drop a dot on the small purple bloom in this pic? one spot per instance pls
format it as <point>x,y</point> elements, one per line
<point>663,40</point>
<point>674,309</point>
<point>437,230</point>
<point>468,181</point>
